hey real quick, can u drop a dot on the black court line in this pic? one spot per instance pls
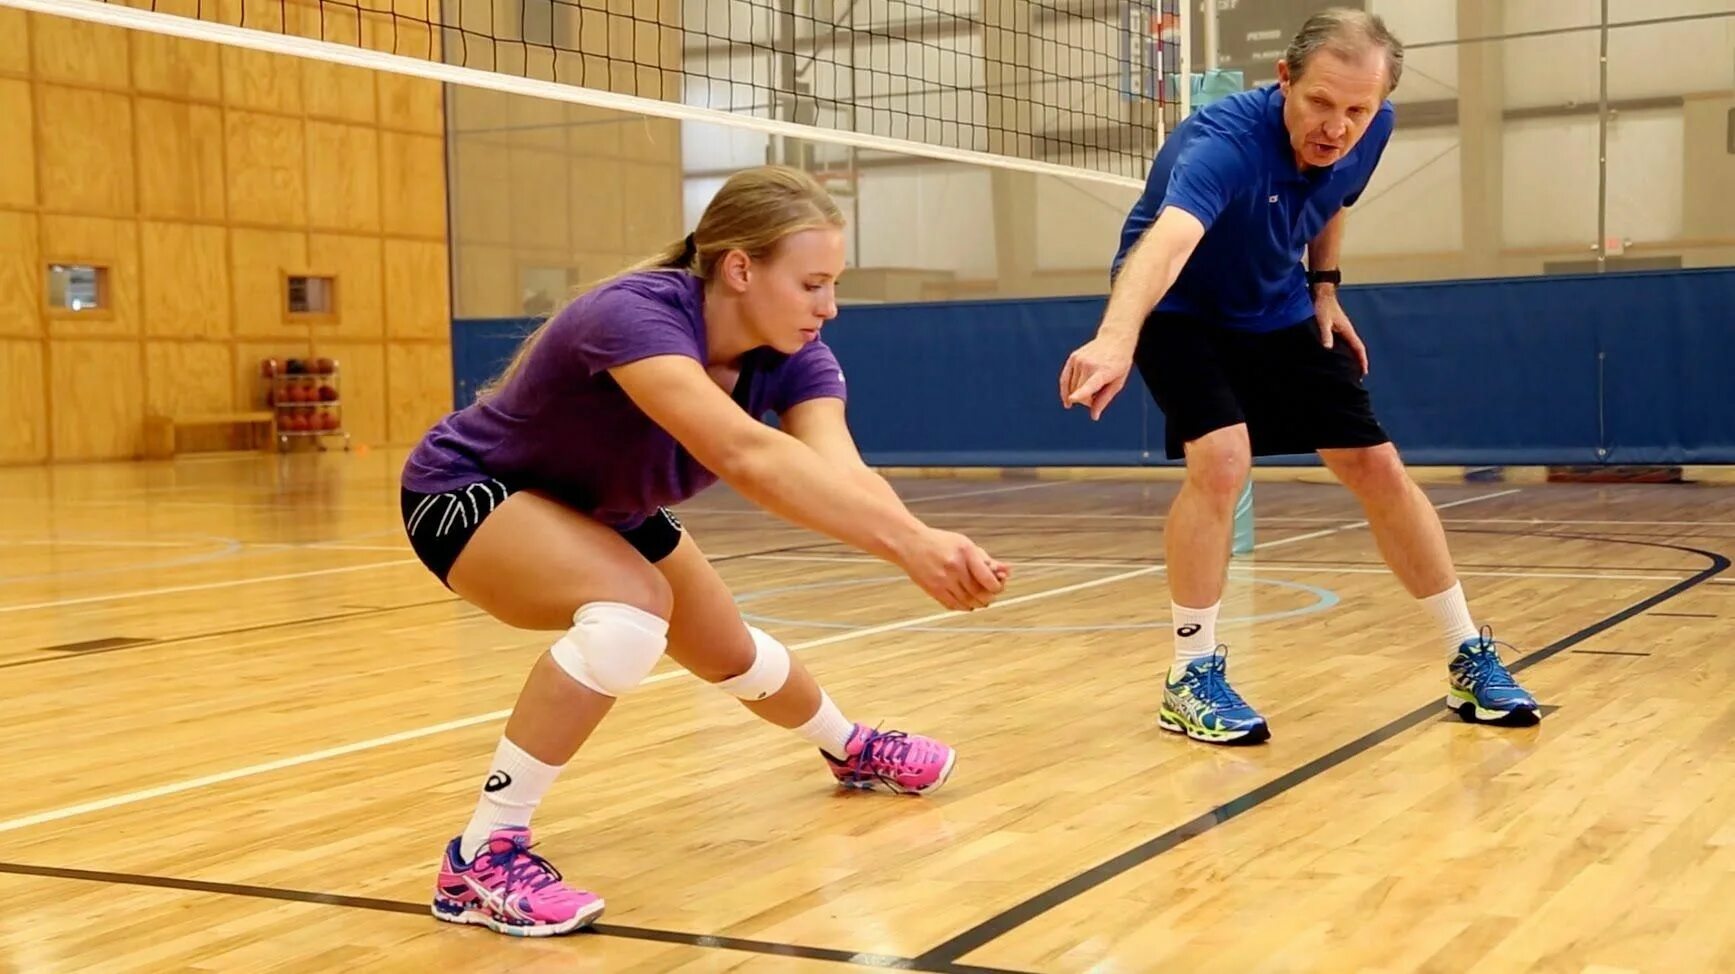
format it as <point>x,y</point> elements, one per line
<point>678,937</point>
<point>999,925</point>
<point>943,959</point>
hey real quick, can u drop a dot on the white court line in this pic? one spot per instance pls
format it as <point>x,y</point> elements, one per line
<point>329,546</point>
<point>684,509</point>
<point>133,797</point>
<point>1282,519</point>
<point>160,791</point>
<point>1159,517</point>
<point>1299,567</point>
<point>203,586</point>
<point>1362,524</point>
<point>98,543</point>
<point>985,491</point>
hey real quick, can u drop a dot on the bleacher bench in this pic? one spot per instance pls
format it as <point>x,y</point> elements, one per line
<point>160,430</point>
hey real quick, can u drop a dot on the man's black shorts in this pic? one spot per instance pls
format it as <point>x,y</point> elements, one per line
<point>1294,394</point>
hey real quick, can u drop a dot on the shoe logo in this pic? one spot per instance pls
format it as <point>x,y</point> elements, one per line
<point>1190,629</point>
<point>497,781</point>
<point>1192,708</point>
<point>497,901</point>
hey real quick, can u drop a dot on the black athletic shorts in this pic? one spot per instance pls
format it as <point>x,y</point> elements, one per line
<point>1294,394</point>
<point>440,525</point>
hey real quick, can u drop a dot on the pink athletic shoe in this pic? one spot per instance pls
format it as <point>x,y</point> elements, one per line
<point>906,763</point>
<point>511,890</point>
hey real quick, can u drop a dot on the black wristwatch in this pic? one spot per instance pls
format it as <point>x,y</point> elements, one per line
<point>1324,277</point>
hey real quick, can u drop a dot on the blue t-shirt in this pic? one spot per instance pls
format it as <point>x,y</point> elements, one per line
<point>1231,165</point>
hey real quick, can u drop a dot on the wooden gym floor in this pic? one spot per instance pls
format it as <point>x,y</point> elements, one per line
<point>241,721</point>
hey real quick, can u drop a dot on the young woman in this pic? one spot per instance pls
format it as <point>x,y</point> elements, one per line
<point>545,504</point>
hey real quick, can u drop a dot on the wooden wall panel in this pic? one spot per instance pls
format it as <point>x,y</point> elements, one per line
<point>176,67</point>
<point>487,282</point>
<point>23,400</point>
<point>362,378</point>
<point>599,202</point>
<point>204,9</point>
<point>419,304</point>
<point>621,184</point>
<point>651,140</point>
<point>421,389</point>
<point>261,81</point>
<point>17,145</point>
<point>413,172</point>
<point>180,149</point>
<point>536,123</point>
<point>539,200</point>
<point>477,112</point>
<point>341,25</point>
<point>482,192</point>
<point>594,131</point>
<point>21,275</point>
<point>79,52</point>
<point>188,377</point>
<point>654,218</point>
<point>200,176</point>
<point>261,258</point>
<point>110,243</point>
<point>358,262</point>
<point>343,177</point>
<point>591,268</point>
<point>96,399</point>
<point>412,104</point>
<point>186,272</point>
<point>267,169</point>
<point>86,141</point>
<point>14,41</point>
<point>338,91</point>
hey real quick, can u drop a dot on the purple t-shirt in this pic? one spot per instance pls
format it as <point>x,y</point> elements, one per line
<point>563,425</point>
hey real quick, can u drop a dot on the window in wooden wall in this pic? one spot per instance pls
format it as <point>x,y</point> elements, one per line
<point>310,296</point>
<point>77,289</point>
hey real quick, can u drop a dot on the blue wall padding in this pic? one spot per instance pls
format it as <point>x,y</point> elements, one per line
<point>1620,368</point>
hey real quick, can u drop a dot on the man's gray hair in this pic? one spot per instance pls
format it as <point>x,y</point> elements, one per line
<point>1349,33</point>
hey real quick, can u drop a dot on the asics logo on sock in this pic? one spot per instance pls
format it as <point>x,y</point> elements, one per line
<point>1190,629</point>
<point>497,781</point>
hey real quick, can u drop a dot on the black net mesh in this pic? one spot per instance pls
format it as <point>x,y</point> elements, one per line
<point>1080,83</point>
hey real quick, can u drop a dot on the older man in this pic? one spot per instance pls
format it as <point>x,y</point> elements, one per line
<point>1248,354</point>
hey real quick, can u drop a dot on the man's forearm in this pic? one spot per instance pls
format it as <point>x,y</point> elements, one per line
<point>1323,251</point>
<point>1147,274</point>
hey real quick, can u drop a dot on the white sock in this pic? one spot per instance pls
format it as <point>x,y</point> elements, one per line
<point>1195,635</point>
<point>828,729</point>
<point>515,785</point>
<point>1453,614</point>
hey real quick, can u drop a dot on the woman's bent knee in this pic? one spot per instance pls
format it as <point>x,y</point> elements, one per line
<point>534,563</point>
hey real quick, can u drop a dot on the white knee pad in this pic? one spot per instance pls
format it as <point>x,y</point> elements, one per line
<point>770,669</point>
<point>611,647</point>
